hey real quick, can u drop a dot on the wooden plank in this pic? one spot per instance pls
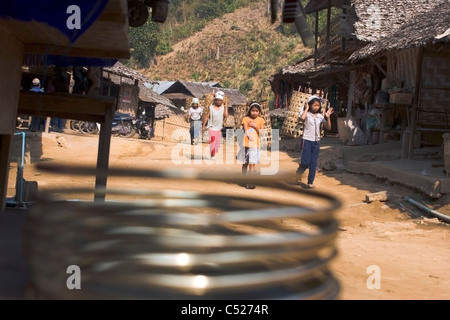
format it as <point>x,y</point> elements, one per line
<point>66,106</point>
<point>10,66</point>
<point>5,146</point>
<point>56,50</point>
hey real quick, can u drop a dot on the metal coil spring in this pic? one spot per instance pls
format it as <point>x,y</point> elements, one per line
<point>175,244</point>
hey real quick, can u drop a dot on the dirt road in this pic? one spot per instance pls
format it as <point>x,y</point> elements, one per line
<point>410,255</point>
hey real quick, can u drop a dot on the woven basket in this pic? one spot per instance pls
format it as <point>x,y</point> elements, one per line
<point>292,126</point>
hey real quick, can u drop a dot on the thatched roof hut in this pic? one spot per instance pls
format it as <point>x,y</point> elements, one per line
<point>361,22</point>
<point>428,28</point>
<point>121,70</point>
<point>377,19</point>
<point>121,75</point>
<point>181,91</point>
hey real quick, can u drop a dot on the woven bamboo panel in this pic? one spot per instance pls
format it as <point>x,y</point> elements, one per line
<point>268,125</point>
<point>240,111</point>
<point>402,65</point>
<point>165,128</point>
<point>435,71</point>
<point>292,126</point>
<point>229,122</point>
<point>128,98</point>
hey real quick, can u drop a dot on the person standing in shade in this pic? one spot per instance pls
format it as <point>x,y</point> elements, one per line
<point>217,113</point>
<point>37,123</point>
<point>312,119</point>
<point>194,117</point>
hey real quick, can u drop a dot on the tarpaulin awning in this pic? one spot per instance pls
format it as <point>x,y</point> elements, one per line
<point>68,32</point>
<point>60,14</point>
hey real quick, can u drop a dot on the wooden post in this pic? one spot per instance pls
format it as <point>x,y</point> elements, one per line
<point>415,102</point>
<point>316,35</point>
<point>328,31</point>
<point>11,56</point>
<point>350,92</point>
<point>104,145</point>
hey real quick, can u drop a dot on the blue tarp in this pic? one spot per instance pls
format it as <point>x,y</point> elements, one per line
<point>54,13</point>
<point>57,14</point>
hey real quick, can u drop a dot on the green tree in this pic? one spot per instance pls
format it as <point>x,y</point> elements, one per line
<point>246,86</point>
<point>144,41</point>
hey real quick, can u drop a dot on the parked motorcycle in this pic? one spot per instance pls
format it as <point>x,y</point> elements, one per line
<point>143,126</point>
<point>123,125</point>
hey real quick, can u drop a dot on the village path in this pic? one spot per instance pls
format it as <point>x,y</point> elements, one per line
<point>412,254</point>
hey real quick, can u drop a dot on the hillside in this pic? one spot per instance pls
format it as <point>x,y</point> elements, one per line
<point>239,50</point>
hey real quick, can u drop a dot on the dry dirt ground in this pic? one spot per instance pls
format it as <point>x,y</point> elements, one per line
<point>412,254</point>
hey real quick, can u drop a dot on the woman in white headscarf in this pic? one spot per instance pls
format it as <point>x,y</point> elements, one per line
<point>214,123</point>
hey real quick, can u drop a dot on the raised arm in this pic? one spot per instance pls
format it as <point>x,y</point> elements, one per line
<point>328,114</point>
<point>305,112</point>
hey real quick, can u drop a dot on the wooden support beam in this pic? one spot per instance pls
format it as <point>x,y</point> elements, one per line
<point>66,106</point>
<point>104,144</point>
<point>378,66</point>
<point>78,107</point>
<point>417,88</point>
<point>50,49</point>
<point>316,35</point>
<point>327,55</point>
<point>11,58</point>
<point>5,146</point>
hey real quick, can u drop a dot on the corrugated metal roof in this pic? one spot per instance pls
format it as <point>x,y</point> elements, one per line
<point>148,95</point>
<point>159,86</point>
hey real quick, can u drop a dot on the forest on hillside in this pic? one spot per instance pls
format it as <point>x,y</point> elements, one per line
<point>245,58</point>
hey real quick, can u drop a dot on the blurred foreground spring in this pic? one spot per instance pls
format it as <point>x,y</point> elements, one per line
<point>176,244</point>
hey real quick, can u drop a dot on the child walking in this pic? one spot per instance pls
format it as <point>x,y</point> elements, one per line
<point>194,117</point>
<point>252,123</point>
<point>312,119</point>
<point>217,113</point>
